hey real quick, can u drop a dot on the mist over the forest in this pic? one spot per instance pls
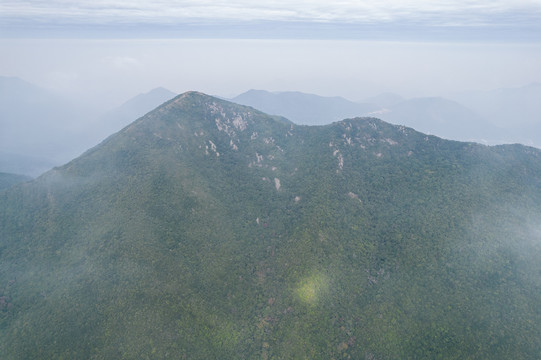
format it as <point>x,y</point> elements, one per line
<point>273,180</point>
<point>212,230</point>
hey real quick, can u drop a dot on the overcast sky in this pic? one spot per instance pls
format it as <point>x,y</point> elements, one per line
<point>117,49</point>
<point>486,19</point>
<point>442,12</point>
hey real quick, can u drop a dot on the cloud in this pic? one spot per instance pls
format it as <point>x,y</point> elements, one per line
<point>516,19</point>
<point>277,10</point>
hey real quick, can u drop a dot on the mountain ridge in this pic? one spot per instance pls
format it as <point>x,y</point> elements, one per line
<point>302,108</point>
<point>206,229</point>
<point>442,117</point>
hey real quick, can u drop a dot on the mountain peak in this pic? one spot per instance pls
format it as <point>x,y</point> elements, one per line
<point>208,229</point>
<point>192,123</point>
<point>193,95</point>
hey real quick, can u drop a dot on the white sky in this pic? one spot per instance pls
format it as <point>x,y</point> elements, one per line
<point>119,69</point>
<point>355,49</point>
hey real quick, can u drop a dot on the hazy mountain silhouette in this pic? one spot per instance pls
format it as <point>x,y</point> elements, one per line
<point>41,129</point>
<point>506,107</point>
<point>119,117</point>
<point>304,109</point>
<point>7,180</point>
<point>39,124</point>
<point>515,110</point>
<point>441,117</point>
<point>434,115</point>
<point>28,165</point>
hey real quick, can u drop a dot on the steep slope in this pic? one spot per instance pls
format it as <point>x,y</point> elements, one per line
<point>304,109</point>
<point>207,229</point>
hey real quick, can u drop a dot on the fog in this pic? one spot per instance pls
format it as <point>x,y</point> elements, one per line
<point>82,82</point>
<point>108,72</point>
<point>397,246</point>
<point>95,57</point>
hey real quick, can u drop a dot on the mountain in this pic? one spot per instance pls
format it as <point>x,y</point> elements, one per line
<point>433,115</point>
<point>7,180</point>
<point>210,230</point>
<point>305,109</point>
<point>526,134</point>
<point>506,107</point>
<point>40,124</point>
<point>119,117</point>
<point>41,129</point>
<point>441,117</point>
<point>32,166</point>
<point>36,121</point>
<point>514,110</point>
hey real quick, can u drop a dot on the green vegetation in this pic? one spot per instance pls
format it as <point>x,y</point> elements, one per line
<point>7,180</point>
<point>209,230</point>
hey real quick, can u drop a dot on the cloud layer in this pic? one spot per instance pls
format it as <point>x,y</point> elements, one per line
<point>209,18</point>
<point>457,11</point>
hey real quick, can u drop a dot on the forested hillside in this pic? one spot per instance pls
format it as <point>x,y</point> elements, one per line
<point>209,230</point>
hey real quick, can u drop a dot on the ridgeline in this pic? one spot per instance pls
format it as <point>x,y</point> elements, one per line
<point>210,230</point>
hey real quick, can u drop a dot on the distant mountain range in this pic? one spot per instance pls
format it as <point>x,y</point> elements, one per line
<point>476,121</point>
<point>506,107</point>
<point>125,114</point>
<point>304,109</point>
<point>516,110</point>
<point>210,230</point>
<point>441,117</point>
<point>27,165</point>
<point>41,129</point>
<point>37,124</point>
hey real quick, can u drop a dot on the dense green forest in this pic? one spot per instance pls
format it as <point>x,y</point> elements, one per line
<point>209,230</point>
